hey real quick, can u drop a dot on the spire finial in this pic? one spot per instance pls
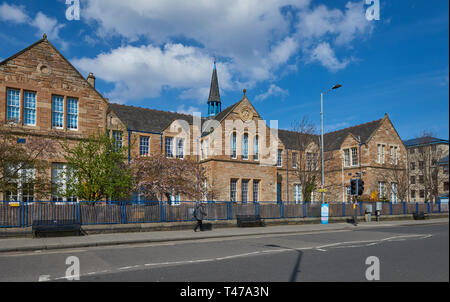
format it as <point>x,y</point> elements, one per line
<point>245,91</point>
<point>44,36</point>
<point>215,60</point>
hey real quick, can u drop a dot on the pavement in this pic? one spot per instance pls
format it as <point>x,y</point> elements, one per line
<point>95,240</point>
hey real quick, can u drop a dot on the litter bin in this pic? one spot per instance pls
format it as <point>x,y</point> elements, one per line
<point>368,215</point>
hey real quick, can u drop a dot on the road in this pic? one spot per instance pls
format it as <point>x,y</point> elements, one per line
<point>405,253</point>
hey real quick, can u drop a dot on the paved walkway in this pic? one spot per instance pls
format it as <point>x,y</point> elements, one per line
<point>32,244</point>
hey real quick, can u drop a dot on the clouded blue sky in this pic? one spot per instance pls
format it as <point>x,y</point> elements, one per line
<point>159,54</point>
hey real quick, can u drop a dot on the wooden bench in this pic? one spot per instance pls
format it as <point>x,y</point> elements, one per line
<point>249,221</point>
<point>55,228</point>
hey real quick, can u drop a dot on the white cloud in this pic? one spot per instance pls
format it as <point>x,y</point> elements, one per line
<point>143,72</point>
<point>13,13</point>
<point>254,39</point>
<point>190,111</point>
<point>48,25</point>
<point>326,56</point>
<point>273,91</point>
<point>43,23</point>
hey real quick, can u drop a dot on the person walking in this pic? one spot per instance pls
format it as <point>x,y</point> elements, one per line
<point>199,215</point>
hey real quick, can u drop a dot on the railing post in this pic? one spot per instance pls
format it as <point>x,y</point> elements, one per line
<point>417,207</point>
<point>343,209</point>
<point>390,207</point>
<point>404,208</point>
<point>428,208</point>
<point>281,210</point>
<point>439,207</point>
<point>125,218</point>
<point>304,210</point>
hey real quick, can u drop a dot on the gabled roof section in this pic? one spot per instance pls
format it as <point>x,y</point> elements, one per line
<point>147,120</point>
<point>45,40</point>
<point>333,140</point>
<point>290,139</point>
<point>221,116</point>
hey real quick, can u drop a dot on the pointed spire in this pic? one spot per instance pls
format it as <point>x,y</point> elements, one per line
<point>214,93</point>
<point>214,102</point>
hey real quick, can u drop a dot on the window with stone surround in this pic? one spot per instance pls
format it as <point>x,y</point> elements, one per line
<point>144,146</point>
<point>117,139</point>
<point>381,154</point>
<point>72,113</point>
<point>256,148</point>
<point>180,148</point>
<point>280,158</point>
<point>294,160</point>
<point>169,147</point>
<point>13,105</point>
<point>347,158</point>
<point>394,155</point>
<point>233,188</point>
<point>297,193</point>
<point>245,146</point>
<point>29,108</point>
<point>58,112</point>
<point>255,190</point>
<point>234,145</point>
<point>245,183</point>
<point>354,157</point>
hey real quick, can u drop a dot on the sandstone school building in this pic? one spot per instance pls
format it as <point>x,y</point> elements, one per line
<point>246,160</point>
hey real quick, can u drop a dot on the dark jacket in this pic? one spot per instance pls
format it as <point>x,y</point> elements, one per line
<point>199,212</point>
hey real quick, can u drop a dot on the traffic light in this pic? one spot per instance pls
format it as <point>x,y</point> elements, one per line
<point>360,187</point>
<point>353,187</point>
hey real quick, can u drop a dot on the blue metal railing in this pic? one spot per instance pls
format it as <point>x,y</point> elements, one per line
<point>22,214</point>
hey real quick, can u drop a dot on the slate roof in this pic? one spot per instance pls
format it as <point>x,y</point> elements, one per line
<point>148,120</point>
<point>427,140</point>
<point>332,140</point>
<point>290,139</point>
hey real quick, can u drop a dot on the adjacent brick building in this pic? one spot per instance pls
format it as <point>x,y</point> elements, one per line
<point>427,168</point>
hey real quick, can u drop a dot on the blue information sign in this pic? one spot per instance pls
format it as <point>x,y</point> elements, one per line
<point>324,213</point>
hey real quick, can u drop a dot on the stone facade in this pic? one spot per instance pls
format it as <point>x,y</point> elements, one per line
<point>41,70</point>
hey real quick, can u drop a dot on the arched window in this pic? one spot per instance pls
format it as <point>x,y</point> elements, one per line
<point>245,146</point>
<point>233,145</point>
<point>256,148</point>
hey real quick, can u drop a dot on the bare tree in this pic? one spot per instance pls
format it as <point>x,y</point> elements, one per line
<point>428,157</point>
<point>306,162</point>
<point>396,174</point>
<point>23,164</point>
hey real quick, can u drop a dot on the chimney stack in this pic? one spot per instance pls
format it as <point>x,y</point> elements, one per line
<point>91,79</point>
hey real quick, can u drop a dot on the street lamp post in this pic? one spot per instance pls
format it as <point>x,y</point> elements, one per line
<point>321,140</point>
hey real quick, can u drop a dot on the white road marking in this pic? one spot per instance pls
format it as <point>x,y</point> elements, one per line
<point>44,278</point>
<point>318,248</point>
